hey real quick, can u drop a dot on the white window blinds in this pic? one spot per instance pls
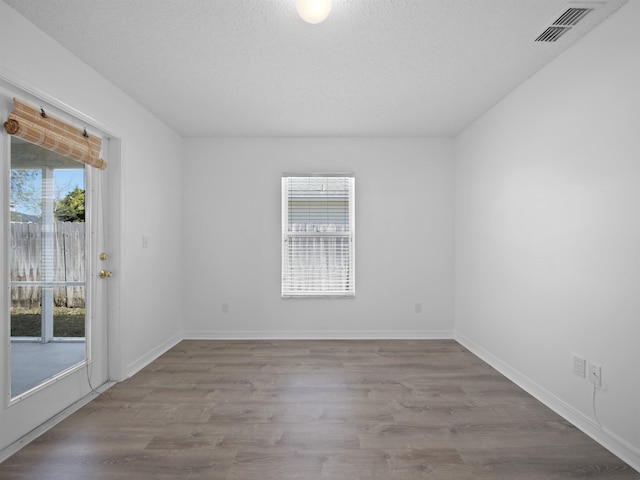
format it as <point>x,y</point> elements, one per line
<point>318,235</point>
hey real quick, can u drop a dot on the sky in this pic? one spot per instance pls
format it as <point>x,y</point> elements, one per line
<point>65,180</point>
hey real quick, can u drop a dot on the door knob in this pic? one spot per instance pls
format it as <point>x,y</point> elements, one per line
<point>105,274</point>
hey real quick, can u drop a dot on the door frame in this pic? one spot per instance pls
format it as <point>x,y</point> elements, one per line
<point>113,332</point>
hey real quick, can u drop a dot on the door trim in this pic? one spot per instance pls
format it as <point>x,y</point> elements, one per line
<point>114,340</point>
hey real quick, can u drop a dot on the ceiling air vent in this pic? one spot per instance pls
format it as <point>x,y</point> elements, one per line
<point>552,34</point>
<point>572,16</point>
<point>561,25</point>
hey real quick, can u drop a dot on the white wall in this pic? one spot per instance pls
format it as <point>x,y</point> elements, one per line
<point>548,232</point>
<point>404,238</point>
<point>151,199</point>
<point>546,217</point>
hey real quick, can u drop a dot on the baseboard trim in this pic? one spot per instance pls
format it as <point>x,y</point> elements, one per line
<point>52,422</point>
<point>320,335</point>
<point>622,449</point>
<point>137,365</point>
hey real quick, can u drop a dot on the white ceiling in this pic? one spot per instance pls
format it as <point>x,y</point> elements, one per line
<point>254,68</point>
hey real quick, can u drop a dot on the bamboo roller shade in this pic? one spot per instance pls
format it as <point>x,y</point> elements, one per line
<point>49,132</point>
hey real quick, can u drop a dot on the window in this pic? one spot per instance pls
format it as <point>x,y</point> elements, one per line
<point>318,231</point>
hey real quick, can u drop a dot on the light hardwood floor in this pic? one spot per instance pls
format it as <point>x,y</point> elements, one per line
<point>348,410</point>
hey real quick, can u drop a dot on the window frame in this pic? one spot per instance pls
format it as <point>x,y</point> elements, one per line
<point>287,235</point>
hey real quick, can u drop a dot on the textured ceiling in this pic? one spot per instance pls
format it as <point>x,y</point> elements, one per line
<point>253,68</point>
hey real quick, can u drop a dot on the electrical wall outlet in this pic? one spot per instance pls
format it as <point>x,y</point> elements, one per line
<point>579,366</point>
<point>225,307</point>
<point>595,374</point>
<point>418,308</point>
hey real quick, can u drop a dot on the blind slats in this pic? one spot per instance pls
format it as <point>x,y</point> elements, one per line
<point>318,235</point>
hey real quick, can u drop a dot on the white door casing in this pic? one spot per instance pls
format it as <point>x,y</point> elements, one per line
<point>20,416</point>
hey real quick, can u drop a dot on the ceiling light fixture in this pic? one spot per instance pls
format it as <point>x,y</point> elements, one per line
<point>313,11</point>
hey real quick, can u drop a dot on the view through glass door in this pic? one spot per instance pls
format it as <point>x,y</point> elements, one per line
<point>48,266</point>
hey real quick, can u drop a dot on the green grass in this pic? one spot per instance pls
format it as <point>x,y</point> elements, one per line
<point>67,322</point>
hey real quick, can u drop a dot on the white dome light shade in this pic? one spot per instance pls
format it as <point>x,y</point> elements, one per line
<point>313,11</point>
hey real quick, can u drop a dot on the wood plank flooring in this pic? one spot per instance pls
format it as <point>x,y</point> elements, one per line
<point>244,410</point>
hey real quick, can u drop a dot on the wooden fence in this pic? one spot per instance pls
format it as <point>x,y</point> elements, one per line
<point>68,263</point>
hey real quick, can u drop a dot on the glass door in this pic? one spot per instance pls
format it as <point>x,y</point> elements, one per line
<point>48,266</point>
